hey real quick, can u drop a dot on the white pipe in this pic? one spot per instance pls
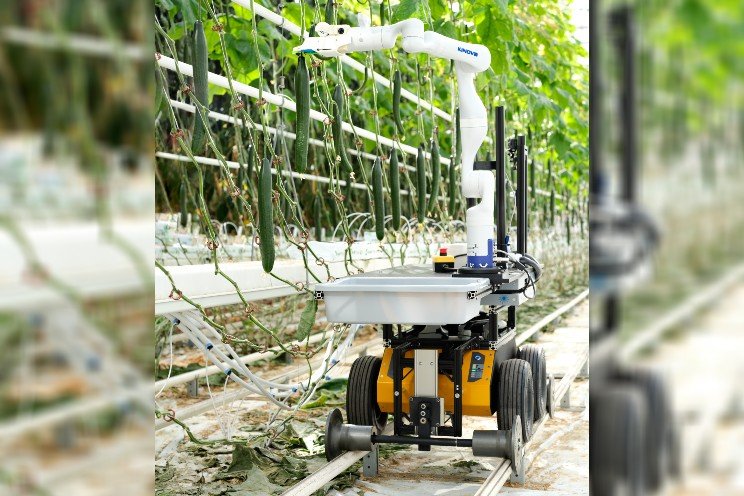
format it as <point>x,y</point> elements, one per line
<point>185,326</point>
<point>88,45</point>
<point>289,135</point>
<point>284,102</point>
<point>213,369</point>
<point>285,173</point>
<point>194,326</point>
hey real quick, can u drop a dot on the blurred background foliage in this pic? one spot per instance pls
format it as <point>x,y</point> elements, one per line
<point>690,126</point>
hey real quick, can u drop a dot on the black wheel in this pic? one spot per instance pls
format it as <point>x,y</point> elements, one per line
<point>535,356</point>
<point>516,396</point>
<point>361,394</point>
<point>617,427</point>
<point>658,422</point>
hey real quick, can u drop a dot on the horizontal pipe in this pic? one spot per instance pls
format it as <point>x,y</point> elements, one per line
<point>430,441</point>
<point>287,103</point>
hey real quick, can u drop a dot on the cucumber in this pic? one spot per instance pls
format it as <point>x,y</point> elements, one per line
<point>184,205</point>
<point>395,189</point>
<point>337,131</point>
<point>452,190</point>
<point>329,12</point>
<point>436,172</point>
<point>552,207</point>
<point>397,83</point>
<point>302,96</point>
<point>421,183</point>
<point>383,13</point>
<point>201,86</point>
<point>250,159</point>
<point>318,211</point>
<point>266,216</point>
<point>379,196</point>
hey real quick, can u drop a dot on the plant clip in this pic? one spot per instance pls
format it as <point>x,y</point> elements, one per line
<point>170,415</point>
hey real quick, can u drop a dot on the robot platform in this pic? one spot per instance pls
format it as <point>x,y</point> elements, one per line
<point>416,295</point>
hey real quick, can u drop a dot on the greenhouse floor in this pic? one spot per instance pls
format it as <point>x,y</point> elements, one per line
<point>560,455</point>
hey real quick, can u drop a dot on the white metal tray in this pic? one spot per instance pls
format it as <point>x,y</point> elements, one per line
<point>412,294</point>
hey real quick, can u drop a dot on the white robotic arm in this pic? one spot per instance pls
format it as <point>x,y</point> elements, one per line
<point>470,59</point>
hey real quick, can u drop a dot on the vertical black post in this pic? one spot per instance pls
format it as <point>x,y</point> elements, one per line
<point>397,389</point>
<point>500,180</point>
<point>457,411</point>
<point>623,24</point>
<point>387,332</point>
<point>493,324</point>
<point>511,318</point>
<point>596,167</point>
<point>521,195</point>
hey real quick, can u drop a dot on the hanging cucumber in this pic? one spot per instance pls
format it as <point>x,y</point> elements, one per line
<point>395,189</point>
<point>329,12</point>
<point>421,183</point>
<point>184,205</point>
<point>332,215</point>
<point>250,160</point>
<point>318,211</point>
<point>383,13</point>
<point>379,195</point>
<point>552,207</point>
<point>452,190</point>
<point>201,86</point>
<point>266,216</point>
<point>302,96</point>
<point>397,83</point>
<point>337,130</point>
<point>436,172</point>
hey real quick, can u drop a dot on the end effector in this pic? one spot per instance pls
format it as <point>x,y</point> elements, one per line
<point>332,40</point>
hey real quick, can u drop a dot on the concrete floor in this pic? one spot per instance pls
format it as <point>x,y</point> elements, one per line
<point>704,366</point>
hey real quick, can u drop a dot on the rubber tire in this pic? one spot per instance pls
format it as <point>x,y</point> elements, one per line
<point>616,442</point>
<point>516,396</point>
<point>361,394</point>
<point>535,356</point>
<point>658,439</point>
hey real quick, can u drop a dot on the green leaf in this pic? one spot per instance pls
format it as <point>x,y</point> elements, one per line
<point>438,10</point>
<point>307,319</point>
<point>445,28</point>
<point>494,29</point>
<point>408,9</point>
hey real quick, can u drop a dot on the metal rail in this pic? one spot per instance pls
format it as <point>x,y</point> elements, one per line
<point>502,472</point>
<point>548,319</point>
<point>681,312</point>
